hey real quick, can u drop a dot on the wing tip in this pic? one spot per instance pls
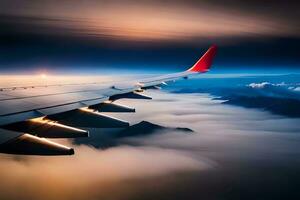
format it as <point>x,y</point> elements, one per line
<point>205,62</point>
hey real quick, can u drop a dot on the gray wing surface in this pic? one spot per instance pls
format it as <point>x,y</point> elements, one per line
<point>30,114</point>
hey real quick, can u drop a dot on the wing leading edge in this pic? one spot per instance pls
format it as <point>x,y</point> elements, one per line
<point>58,111</point>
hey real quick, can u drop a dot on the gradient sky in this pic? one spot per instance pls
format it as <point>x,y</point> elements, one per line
<point>167,35</point>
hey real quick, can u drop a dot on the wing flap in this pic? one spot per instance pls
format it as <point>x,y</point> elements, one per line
<point>130,95</point>
<point>27,144</point>
<point>111,107</point>
<point>88,118</point>
<point>46,128</point>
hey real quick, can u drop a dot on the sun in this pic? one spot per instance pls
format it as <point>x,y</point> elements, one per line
<point>43,76</point>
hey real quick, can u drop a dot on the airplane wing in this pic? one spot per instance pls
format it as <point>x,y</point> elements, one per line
<point>30,114</point>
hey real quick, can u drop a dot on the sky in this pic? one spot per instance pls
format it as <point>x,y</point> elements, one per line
<point>96,36</point>
<point>245,139</point>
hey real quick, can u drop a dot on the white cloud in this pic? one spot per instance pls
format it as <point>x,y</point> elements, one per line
<point>223,134</point>
<point>296,89</point>
<point>259,85</point>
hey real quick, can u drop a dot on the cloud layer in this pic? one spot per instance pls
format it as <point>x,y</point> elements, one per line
<point>91,173</point>
<point>230,149</point>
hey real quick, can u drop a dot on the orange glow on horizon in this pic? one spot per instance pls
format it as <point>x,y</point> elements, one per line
<point>43,76</point>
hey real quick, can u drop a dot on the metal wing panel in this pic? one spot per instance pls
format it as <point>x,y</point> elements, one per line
<point>49,90</point>
<point>164,78</point>
<point>16,110</point>
<point>4,96</point>
<point>6,135</point>
<point>18,117</point>
<point>16,106</point>
<point>73,106</point>
<point>34,103</point>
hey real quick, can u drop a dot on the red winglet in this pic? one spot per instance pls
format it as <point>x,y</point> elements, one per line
<point>204,63</point>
